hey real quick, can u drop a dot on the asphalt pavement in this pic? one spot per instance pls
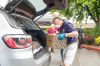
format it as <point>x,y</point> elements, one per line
<point>83,57</point>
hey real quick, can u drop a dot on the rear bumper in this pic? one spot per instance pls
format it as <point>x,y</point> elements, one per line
<point>44,60</point>
<point>21,62</point>
<point>20,58</point>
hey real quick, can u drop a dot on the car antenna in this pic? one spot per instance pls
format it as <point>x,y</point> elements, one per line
<point>15,6</point>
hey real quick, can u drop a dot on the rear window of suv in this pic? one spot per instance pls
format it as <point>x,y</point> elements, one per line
<point>25,23</point>
<point>13,22</point>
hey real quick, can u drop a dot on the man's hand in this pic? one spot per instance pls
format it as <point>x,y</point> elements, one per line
<point>61,36</point>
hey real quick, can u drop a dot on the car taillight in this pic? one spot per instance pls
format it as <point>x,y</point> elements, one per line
<point>22,41</point>
<point>29,40</point>
<point>18,41</point>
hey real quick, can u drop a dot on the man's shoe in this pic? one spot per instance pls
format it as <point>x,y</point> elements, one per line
<point>52,50</point>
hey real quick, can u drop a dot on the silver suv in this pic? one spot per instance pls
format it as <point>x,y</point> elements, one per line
<point>22,42</point>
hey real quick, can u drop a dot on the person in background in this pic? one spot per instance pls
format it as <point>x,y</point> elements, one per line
<point>68,31</point>
<point>81,36</point>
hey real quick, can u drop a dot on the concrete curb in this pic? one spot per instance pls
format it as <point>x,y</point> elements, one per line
<point>90,47</point>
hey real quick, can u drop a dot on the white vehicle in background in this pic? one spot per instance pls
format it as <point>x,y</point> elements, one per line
<point>22,42</point>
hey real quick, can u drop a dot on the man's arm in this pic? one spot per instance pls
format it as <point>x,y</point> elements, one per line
<point>71,29</point>
<point>72,34</point>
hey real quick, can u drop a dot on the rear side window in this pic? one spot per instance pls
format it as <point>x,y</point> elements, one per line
<point>26,23</point>
<point>13,23</point>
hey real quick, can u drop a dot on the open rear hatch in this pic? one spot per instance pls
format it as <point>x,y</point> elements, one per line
<point>31,8</point>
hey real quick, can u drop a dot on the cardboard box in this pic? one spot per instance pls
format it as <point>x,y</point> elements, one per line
<point>53,42</point>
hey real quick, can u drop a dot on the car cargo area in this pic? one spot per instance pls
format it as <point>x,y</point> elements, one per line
<point>38,35</point>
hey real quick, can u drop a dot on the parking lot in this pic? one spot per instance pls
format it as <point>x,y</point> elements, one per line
<point>83,57</point>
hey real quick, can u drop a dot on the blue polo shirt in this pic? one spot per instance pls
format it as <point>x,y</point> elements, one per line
<point>67,27</point>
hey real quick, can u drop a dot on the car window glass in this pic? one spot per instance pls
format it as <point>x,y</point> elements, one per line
<point>12,22</point>
<point>26,24</point>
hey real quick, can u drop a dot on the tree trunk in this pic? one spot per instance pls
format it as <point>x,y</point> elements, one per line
<point>98,23</point>
<point>89,12</point>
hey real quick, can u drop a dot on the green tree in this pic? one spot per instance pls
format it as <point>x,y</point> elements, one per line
<point>80,9</point>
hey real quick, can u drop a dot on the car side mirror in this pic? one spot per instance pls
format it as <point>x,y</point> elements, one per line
<point>57,4</point>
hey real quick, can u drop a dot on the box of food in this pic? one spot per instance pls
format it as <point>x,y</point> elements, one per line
<point>53,42</point>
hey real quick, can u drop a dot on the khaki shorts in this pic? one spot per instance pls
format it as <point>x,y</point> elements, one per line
<point>69,53</point>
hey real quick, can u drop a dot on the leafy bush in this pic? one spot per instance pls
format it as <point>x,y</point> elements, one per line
<point>95,32</point>
<point>91,35</point>
<point>87,31</point>
<point>97,40</point>
<point>89,40</point>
